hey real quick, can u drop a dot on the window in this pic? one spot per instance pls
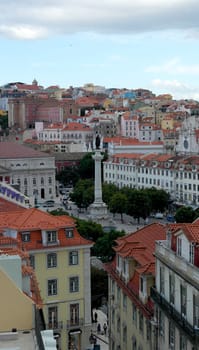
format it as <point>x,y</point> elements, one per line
<point>69,232</point>
<point>171,335</point>
<point>134,344</point>
<point>118,294</point>
<point>32,261</point>
<point>124,301</point>
<point>141,284</point>
<point>25,236</point>
<point>161,324</point>
<point>148,330</point>
<point>52,260</point>
<point>74,314</point>
<point>113,316</point>
<point>73,258</point>
<point>179,246</point>
<point>183,300</point>
<point>162,280</point>
<point>172,289</point>
<point>124,266</point>
<point>42,181</point>
<point>196,311</point>
<point>183,342</point>
<point>50,181</point>
<point>118,325</point>
<point>34,181</point>
<point>191,253</point>
<point>113,286</point>
<point>52,287</point>
<point>74,284</point>
<point>141,322</point>
<point>51,236</point>
<point>124,334</point>
<point>52,317</point>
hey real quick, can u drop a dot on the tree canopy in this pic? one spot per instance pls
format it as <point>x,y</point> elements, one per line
<point>185,214</point>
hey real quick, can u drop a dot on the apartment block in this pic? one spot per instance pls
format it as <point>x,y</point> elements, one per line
<point>176,174</point>
<point>176,291</point>
<point>60,258</point>
<point>130,278</point>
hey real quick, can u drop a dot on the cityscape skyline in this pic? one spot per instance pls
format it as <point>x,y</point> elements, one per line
<point>112,43</point>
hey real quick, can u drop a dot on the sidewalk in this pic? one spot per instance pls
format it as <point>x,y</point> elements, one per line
<point>102,339</point>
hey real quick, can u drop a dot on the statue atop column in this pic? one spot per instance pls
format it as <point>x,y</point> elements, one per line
<point>97,141</point>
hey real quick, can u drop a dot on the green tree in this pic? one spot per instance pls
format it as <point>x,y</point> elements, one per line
<point>108,190</point>
<point>103,247</point>
<point>68,176</point>
<point>89,229</point>
<point>159,199</point>
<point>118,204</point>
<point>86,167</point>
<point>83,193</point>
<point>139,204</point>
<point>185,214</point>
<point>88,197</point>
<point>58,212</point>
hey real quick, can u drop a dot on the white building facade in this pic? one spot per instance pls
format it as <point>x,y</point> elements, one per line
<point>176,294</point>
<point>177,175</point>
<point>33,172</point>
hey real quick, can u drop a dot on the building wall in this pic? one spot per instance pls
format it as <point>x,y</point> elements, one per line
<point>182,183</point>
<point>176,315</point>
<point>35,176</point>
<point>128,326</point>
<point>14,301</point>
<point>64,298</point>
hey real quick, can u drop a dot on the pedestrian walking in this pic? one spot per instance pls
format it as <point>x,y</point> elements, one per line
<point>95,317</point>
<point>105,328</point>
<point>99,328</point>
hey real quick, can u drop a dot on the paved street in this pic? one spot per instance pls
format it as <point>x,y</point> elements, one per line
<point>101,337</point>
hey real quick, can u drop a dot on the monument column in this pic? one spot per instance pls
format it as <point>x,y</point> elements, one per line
<point>98,180</point>
<point>98,209</point>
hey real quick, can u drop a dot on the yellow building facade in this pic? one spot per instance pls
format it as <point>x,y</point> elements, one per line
<point>61,261</point>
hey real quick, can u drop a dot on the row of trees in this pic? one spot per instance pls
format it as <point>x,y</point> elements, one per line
<point>138,203</point>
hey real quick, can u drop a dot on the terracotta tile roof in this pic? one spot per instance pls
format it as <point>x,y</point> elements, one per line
<point>34,221</point>
<point>76,126</point>
<point>129,141</point>
<point>5,205</point>
<point>13,150</point>
<point>191,230</point>
<point>140,245</point>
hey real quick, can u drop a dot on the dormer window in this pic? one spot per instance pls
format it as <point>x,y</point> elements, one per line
<point>141,284</point>
<point>191,253</point>
<point>69,232</point>
<point>51,237</point>
<point>179,246</point>
<point>25,236</point>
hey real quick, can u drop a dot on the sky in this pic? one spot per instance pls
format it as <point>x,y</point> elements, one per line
<point>149,44</point>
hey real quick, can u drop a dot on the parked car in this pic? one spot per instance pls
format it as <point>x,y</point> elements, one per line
<point>170,218</point>
<point>159,216</point>
<point>49,204</point>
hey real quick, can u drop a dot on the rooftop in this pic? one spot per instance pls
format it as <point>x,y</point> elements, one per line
<point>13,150</point>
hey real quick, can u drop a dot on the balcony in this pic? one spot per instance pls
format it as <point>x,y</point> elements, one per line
<point>57,325</point>
<point>173,314</point>
<point>178,264</point>
<point>74,323</point>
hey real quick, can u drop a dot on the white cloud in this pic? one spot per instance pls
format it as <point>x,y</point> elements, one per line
<point>22,32</point>
<point>174,66</point>
<point>21,19</point>
<point>178,89</point>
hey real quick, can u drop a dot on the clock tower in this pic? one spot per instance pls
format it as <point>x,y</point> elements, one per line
<point>187,142</point>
